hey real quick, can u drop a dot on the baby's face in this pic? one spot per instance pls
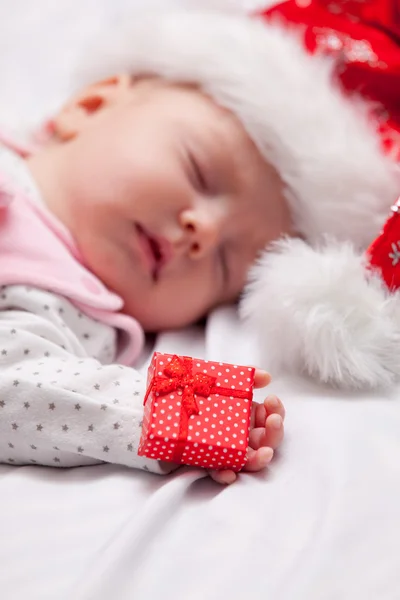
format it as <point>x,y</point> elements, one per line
<point>166,196</point>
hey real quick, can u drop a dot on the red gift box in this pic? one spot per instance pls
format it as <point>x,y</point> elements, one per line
<point>197,412</point>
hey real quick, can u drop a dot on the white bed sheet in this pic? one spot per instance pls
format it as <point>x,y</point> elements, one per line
<point>322,524</point>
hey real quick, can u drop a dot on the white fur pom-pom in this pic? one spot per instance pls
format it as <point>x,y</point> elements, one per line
<point>321,312</point>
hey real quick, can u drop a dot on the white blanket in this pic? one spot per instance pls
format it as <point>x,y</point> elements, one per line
<point>322,524</point>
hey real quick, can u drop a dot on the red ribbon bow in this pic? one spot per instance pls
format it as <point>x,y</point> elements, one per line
<point>178,376</point>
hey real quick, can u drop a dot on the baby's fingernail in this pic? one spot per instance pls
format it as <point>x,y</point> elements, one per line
<point>264,374</point>
<point>273,400</point>
<point>228,478</point>
<point>266,455</point>
<point>276,422</point>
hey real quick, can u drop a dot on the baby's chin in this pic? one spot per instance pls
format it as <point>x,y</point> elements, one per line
<point>156,318</point>
<point>150,318</point>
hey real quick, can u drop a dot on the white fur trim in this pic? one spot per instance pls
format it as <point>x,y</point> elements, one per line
<point>321,313</point>
<point>338,181</point>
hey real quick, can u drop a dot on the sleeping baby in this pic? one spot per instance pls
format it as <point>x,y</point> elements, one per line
<point>197,142</point>
<point>142,210</point>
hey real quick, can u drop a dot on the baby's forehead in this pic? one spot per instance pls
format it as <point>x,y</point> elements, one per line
<point>195,102</point>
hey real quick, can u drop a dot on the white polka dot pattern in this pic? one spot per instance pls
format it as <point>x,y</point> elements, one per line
<point>218,436</point>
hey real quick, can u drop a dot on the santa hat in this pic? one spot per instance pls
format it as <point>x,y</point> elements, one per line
<point>313,306</point>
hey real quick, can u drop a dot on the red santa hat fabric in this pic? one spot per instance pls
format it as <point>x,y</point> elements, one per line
<point>332,314</point>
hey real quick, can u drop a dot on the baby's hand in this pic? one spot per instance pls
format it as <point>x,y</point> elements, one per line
<point>266,433</point>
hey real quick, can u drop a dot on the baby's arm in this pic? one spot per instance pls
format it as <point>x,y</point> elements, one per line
<point>58,406</point>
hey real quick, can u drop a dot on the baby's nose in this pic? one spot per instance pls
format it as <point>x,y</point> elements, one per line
<point>201,233</point>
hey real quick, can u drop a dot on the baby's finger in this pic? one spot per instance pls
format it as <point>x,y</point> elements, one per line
<point>260,412</point>
<point>274,431</point>
<point>260,415</point>
<point>223,477</point>
<point>271,435</point>
<point>274,405</point>
<point>258,459</point>
<point>261,378</point>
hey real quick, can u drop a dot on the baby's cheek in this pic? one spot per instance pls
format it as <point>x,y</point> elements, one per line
<point>184,299</point>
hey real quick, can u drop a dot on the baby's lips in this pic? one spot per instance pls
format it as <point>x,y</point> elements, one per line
<point>166,249</point>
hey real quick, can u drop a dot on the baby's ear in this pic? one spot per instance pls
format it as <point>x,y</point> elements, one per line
<point>76,114</point>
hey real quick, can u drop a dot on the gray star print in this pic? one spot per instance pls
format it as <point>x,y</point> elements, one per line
<point>33,447</point>
<point>13,331</point>
<point>395,254</point>
<point>136,393</point>
<point>59,399</point>
<point>16,382</point>
<point>56,460</point>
